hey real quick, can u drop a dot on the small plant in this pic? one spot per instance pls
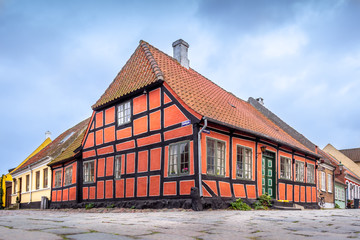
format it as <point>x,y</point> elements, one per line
<point>257,205</point>
<point>132,207</point>
<point>337,205</point>
<point>17,200</point>
<point>240,205</point>
<point>110,206</point>
<point>89,206</point>
<point>265,200</point>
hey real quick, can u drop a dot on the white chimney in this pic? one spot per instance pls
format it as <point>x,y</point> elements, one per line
<point>181,52</point>
<point>47,134</point>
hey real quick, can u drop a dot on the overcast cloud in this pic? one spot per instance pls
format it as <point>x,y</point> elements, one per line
<point>58,57</point>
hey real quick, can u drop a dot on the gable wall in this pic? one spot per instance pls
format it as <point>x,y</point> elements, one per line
<point>156,122</point>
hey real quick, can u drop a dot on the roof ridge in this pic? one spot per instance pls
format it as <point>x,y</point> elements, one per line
<point>154,65</point>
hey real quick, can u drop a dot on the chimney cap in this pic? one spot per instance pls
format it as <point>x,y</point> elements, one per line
<point>260,100</point>
<point>47,134</point>
<point>180,41</point>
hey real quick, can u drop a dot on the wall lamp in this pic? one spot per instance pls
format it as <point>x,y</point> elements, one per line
<point>263,149</point>
<point>341,167</point>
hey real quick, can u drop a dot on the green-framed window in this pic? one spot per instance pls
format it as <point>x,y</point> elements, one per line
<point>299,171</point>
<point>285,168</point>
<point>310,173</point>
<point>243,162</point>
<point>179,158</point>
<point>117,169</point>
<point>215,157</point>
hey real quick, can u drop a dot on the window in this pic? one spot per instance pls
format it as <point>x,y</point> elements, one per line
<point>117,169</point>
<point>179,158</point>
<point>68,175</point>
<point>329,183</point>
<point>215,157</point>
<point>15,186</point>
<point>299,170</point>
<point>45,178</point>
<point>310,173</point>
<point>124,113</point>
<point>58,178</point>
<point>285,168</point>
<point>323,185</point>
<point>27,182</point>
<point>243,162</point>
<point>37,180</point>
<point>89,171</point>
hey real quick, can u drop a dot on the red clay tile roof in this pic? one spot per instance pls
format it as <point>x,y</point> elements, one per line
<point>68,153</point>
<point>56,147</point>
<point>148,65</point>
<point>352,153</point>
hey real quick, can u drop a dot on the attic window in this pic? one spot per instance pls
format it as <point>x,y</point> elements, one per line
<point>66,138</point>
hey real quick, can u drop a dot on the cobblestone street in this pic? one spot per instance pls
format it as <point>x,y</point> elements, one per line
<point>178,224</point>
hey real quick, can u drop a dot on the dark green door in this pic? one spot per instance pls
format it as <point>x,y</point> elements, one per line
<point>268,174</point>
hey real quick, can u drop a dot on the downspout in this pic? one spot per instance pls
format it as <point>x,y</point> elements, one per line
<point>199,155</point>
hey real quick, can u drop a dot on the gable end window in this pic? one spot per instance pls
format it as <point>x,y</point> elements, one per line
<point>123,113</point>
<point>179,159</point>
<point>215,157</point>
<point>117,169</point>
<point>243,162</point>
<point>58,178</point>
<point>88,171</point>
<point>68,175</point>
<point>285,168</point>
<point>299,171</point>
<point>310,173</point>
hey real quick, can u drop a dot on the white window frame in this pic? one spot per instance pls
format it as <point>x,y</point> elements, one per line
<point>218,160</point>
<point>310,173</point>
<point>27,183</point>
<point>177,159</point>
<point>244,171</point>
<point>285,168</point>
<point>329,183</point>
<point>322,181</point>
<point>68,175</point>
<point>58,176</point>
<point>299,171</point>
<point>124,113</point>
<point>117,168</point>
<point>89,171</point>
<point>37,180</point>
<point>45,178</point>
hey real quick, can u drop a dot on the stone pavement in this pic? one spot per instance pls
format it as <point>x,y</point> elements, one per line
<point>178,224</point>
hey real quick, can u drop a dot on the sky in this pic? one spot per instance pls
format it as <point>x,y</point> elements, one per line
<point>58,57</point>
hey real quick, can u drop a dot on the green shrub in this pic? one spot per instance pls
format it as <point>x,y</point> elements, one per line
<point>89,206</point>
<point>240,205</point>
<point>257,205</point>
<point>337,205</point>
<point>265,200</point>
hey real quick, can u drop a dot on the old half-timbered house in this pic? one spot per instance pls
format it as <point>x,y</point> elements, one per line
<point>161,128</point>
<point>66,175</point>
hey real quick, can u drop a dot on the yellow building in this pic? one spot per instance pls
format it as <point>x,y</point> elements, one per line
<point>5,181</point>
<point>32,179</point>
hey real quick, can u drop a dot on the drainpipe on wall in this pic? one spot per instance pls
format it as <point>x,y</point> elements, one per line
<point>199,155</point>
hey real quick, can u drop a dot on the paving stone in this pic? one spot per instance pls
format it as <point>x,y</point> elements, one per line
<point>97,236</point>
<point>11,234</point>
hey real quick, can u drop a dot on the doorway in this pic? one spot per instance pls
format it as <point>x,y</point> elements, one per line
<point>268,174</point>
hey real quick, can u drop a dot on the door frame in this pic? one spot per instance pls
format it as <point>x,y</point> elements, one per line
<point>270,154</point>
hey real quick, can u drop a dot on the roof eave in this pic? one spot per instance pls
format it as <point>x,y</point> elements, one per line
<point>265,137</point>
